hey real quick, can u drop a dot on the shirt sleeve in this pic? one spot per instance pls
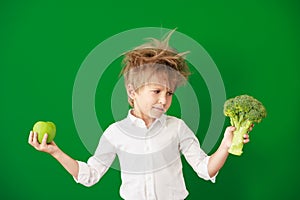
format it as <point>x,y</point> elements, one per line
<point>194,155</point>
<point>97,165</point>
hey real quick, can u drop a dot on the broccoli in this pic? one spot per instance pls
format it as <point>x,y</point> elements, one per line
<point>243,111</point>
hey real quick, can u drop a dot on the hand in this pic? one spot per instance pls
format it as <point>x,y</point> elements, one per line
<point>229,134</point>
<point>50,148</point>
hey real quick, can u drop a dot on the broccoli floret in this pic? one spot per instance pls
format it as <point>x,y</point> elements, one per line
<point>243,111</point>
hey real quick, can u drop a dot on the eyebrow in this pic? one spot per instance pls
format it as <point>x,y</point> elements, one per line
<point>155,87</point>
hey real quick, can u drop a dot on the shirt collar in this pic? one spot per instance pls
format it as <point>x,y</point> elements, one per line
<point>141,124</point>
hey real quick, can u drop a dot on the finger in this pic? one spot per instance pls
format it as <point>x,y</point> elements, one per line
<point>35,141</point>
<point>35,135</point>
<point>44,141</point>
<point>246,140</point>
<point>246,136</point>
<point>30,137</point>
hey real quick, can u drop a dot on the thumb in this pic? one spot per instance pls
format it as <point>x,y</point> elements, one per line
<point>230,129</point>
<point>229,132</point>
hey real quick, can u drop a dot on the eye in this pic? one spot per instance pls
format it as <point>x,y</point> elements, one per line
<point>156,91</point>
<point>170,93</point>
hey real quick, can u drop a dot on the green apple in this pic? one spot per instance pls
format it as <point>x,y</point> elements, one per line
<point>45,127</point>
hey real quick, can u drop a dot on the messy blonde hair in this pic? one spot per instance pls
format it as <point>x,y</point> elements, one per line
<point>154,53</point>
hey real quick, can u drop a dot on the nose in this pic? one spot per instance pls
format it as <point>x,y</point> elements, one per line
<point>162,99</point>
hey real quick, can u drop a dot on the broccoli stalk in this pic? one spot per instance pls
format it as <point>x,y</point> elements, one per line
<point>243,111</point>
<point>237,140</point>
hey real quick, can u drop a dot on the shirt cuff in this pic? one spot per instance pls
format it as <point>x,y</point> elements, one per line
<point>83,172</point>
<point>212,179</point>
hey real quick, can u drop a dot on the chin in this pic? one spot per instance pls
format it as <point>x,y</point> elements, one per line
<point>156,113</point>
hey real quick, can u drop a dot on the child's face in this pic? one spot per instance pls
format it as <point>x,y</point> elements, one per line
<point>151,101</point>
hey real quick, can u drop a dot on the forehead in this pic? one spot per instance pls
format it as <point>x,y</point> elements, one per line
<point>157,86</point>
<point>161,80</point>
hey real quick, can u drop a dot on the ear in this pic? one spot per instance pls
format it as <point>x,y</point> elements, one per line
<point>130,91</point>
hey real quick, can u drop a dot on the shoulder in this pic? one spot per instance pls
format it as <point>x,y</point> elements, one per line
<point>112,128</point>
<point>171,120</point>
<point>179,124</point>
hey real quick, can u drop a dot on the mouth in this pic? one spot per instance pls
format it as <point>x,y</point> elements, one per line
<point>159,109</point>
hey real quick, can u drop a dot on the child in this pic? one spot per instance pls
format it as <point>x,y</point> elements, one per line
<point>148,143</point>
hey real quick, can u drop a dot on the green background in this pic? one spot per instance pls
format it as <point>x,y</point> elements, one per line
<point>255,45</point>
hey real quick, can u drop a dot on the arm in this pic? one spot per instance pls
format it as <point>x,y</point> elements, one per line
<point>194,155</point>
<point>217,160</point>
<point>66,161</point>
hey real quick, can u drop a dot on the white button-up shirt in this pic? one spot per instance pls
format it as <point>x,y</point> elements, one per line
<point>149,158</point>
